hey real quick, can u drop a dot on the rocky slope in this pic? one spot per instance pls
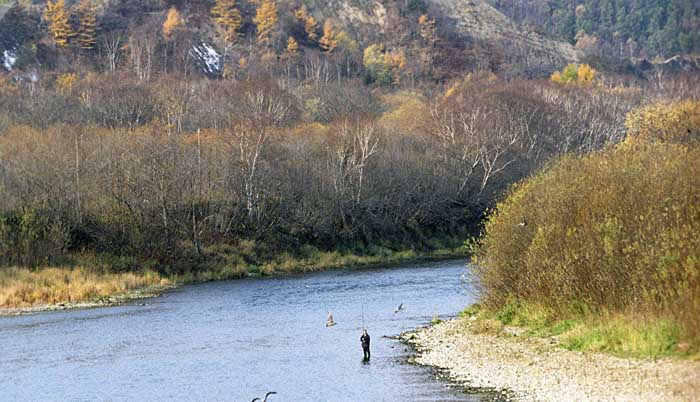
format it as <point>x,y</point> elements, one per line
<point>479,20</point>
<point>471,24</point>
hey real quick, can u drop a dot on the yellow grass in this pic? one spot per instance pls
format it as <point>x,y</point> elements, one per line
<point>23,287</point>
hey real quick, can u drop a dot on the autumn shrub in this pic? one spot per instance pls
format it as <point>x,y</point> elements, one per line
<point>21,287</point>
<point>579,74</point>
<point>612,231</point>
<point>667,122</point>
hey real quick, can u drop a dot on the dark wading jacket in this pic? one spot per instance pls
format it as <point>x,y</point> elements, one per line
<point>365,340</point>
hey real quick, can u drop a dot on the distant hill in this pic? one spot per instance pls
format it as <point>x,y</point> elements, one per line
<point>626,28</point>
<point>514,37</point>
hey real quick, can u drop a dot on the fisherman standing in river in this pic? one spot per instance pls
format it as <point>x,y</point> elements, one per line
<point>364,339</point>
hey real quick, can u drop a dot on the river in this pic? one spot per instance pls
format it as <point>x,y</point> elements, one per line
<point>235,340</point>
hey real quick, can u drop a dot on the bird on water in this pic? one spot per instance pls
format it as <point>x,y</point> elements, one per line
<point>329,321</point>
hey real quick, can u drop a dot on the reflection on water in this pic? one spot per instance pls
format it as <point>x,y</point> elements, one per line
<point>232,341</point>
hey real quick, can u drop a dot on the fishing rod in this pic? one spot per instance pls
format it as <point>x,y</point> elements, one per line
<point>363,316</point>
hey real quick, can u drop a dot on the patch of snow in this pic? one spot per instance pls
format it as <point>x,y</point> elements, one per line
<point>208,59</point>
<point>9,58</point>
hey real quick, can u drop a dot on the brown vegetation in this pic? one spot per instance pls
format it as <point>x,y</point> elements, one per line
<point>164,170</point>
<point>613,231</point>
<point>22,287</point>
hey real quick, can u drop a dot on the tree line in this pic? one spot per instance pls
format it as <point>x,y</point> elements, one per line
<point>624,27</point>
<point>170,170</point>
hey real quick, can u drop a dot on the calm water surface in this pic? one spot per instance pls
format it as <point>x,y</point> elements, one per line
<point>232,341</point>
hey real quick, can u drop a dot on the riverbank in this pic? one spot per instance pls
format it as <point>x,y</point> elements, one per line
<point>24,290</point>
<point>537,369</point>
<point>27,291</point>
<point>109,301</point>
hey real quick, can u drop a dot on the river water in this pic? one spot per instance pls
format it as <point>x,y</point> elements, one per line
<point>235,340</point>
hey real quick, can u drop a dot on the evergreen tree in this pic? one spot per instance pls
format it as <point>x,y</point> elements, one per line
<point>427,29</point>
<point>328,41</point>
<point>656,27</point>
<point>292,46</point>
<point>266,22</point>
<point>87,30</point>
<point>226,15</point>
<point>173,23</point>
<point>56,17</point>
<point>310,24</point>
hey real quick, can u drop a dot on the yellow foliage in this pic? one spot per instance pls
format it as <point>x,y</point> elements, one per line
<point>408,114</point>
<point>266,21</point>
<point>22,287</point>
<point>65,83</point>
<point>675,122</point>
<point>328,41</point>
<point>173,23</point>
<point>384,67</point>
<point>310,24</point>
<point>87,31</point>
<point>292,45</point>
<point>586,74</point>
<point>582,74</point>
<point>346,42</point>
<point>397,63</point>
<point>226,15</point>
<point>427,28</point>
<point>57,17</point>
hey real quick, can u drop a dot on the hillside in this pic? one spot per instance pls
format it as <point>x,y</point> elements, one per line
<point>469,34</point>
<point>621,28</point>
<point>478,19</point>
<point>475,20</point>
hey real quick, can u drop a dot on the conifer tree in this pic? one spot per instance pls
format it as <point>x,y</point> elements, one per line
<point>226,15</point>
<point>328,41</point>
<point>427,29</point>
<point>56,17</point>
<point>87,31</point>
<point>173,22</point>
<point>292,46</point>
<point>266,21</point>
<point>310,24</point>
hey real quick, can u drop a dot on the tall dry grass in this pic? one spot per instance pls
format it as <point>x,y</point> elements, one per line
<point>613,231</point>
<point>23,287</point>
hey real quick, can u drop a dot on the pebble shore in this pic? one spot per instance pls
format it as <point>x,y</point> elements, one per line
<point>535,369</point>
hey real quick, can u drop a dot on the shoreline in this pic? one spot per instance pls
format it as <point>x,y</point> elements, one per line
<point>111,301</point>
<point>155,291</point>
<point>535,369</point>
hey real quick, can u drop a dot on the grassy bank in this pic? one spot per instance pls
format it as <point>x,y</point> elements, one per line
<point>27,287</point>
<point>601,249</point>
<point>24,287</point>
<point>621,334</point>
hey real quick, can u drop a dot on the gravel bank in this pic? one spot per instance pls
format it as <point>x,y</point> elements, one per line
<point>534,369</point>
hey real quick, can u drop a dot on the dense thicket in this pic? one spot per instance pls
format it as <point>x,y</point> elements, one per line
<point>612,231</point>
<point>626,27</point>
<point>171,169</point>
